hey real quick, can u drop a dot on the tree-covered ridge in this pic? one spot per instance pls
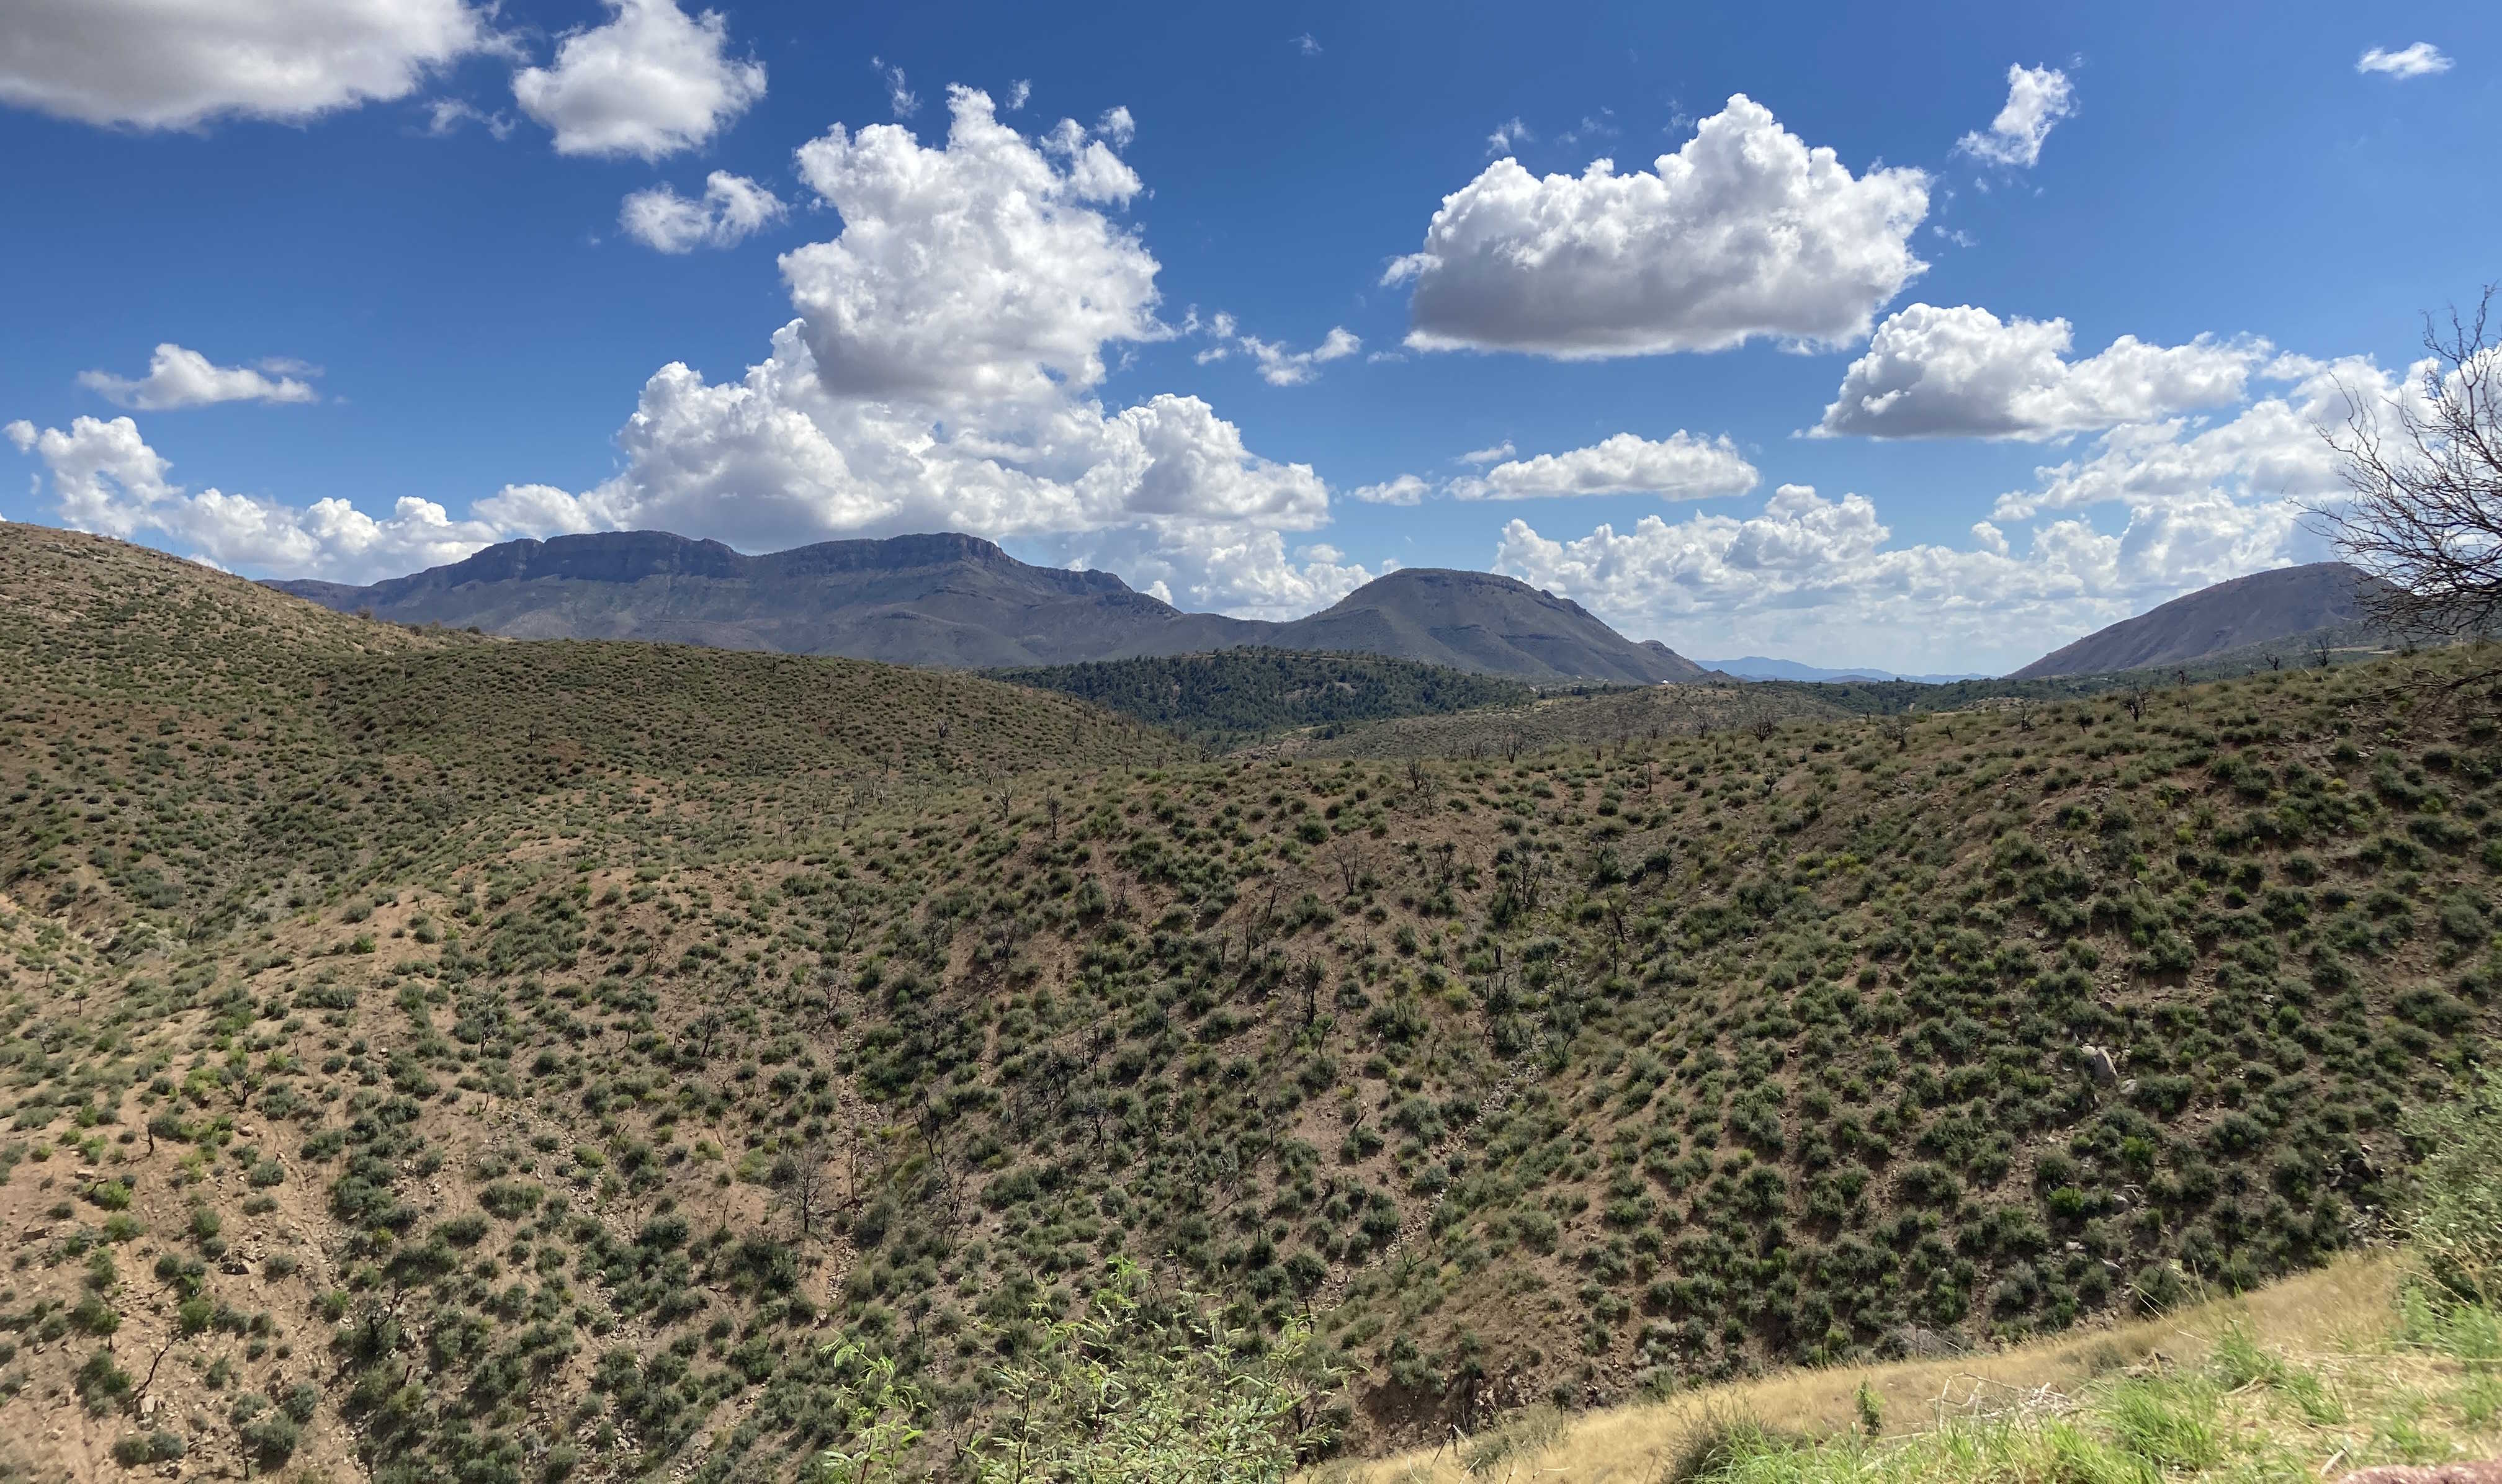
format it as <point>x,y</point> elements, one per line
<point>1238,695</point>
<point>520,1086</point>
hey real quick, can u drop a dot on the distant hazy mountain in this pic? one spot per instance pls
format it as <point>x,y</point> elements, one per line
<point>1757,667</point>
<point>2260,608</point>
<point>959,601</point>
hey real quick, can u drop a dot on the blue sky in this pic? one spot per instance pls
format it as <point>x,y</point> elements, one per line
<point>391,240</point>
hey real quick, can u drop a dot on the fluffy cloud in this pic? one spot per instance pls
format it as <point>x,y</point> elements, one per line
<point>732,208</point>
<point>777,459</point>
<point>1280,367</point>
<point>2145,512</point>
<point>1744,232</point>
<point>1243,571</point>
<point>942,372</point>
<point>105,478</point>
<point>652,81</point>
<point>978,273</point>
<point>181,378</point>
<point>2037,99</point>
<point>1487,455</point>
<point>2421,59</point>
<point>1677,467</point>
<point>1931,372</point>
<point>1818,576</point>
<point>147,64</point>
<point>2270,452</point>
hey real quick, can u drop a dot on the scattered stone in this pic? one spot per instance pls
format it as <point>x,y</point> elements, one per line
<point>2100,1065</point>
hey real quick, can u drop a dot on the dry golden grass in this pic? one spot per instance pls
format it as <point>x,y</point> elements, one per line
<point>2343,1310</point>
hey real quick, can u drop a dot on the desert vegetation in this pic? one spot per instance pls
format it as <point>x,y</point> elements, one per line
<point>1232,696</point>
<point>2386,1361</point>
<point>425,1055</point>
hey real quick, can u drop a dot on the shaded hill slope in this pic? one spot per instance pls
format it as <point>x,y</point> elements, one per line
<point>574,1098</point>
<point>959,601</point>
<point>2260,608</point>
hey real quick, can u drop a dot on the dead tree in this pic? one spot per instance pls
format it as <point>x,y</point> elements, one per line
<point>2424,469</point>
<point>1346,852</point>
<point>805,1187</point>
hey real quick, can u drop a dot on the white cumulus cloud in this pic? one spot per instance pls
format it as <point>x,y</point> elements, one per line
<point>731,207</point>
<point>2037,99</point>
<point>2269,453</point>
<point>2422,59</point>
<point>1677,467</point>
<point>942,373</point>
<point>1932,372</point>
<point>979,272</point>
<point>155,65</point>
<point>650,82</point>
<point>105,478</point>
<point>1744,232</point>
<point>181,378</point>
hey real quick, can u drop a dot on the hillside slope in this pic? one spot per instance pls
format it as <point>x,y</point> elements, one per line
<point>2315,1377</point>
<point>1235,695</point>
<point>959,601</point>
<point>2276,605</point>
<point>595,1090</point>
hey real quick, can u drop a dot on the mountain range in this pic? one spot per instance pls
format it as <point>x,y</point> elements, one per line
<point>959,601</point>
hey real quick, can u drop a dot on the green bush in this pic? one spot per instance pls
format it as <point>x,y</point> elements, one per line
<point>133,1449</point>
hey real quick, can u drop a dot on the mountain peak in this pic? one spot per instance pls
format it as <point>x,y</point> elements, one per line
<point>2281,603</point>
